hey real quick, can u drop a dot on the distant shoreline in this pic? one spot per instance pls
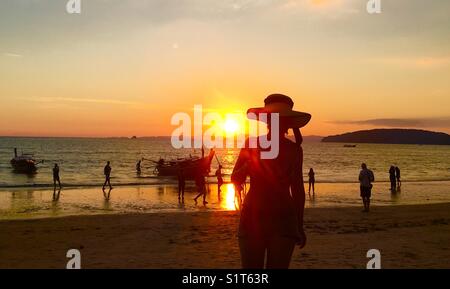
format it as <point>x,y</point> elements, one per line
<point>307,140</point>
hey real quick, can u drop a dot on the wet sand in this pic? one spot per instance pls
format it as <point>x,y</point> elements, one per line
<point>27,203</point>
<point>415,236</point>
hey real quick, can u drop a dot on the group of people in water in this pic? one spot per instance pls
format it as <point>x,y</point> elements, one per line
<point>395,178</point>
<point>200,184</point>
<point>199,181</point>
<point>57,180</point>
<point>366,178</point>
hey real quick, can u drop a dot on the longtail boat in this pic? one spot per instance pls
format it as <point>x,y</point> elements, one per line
<point>24,163</point>
<point>190,167</point>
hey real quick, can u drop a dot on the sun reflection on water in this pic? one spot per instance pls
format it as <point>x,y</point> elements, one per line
<point>228,197</point>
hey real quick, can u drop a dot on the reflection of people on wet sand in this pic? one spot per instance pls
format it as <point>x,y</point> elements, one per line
<point>219,179</point>
<point>107,195</point>
<point>201,187</point>
<point>397,176</point>
<point>56,194</point>
<point>392,179</point>
<point>107,173</point>
<point>56,176</point>
<point>181,184</point>
<point>271,220</point>
<point>366,178</point>
<point>312,180</point>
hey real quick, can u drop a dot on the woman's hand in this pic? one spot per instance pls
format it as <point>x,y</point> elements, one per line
<point>302,238</point>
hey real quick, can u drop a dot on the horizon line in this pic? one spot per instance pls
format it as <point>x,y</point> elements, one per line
<point>107,137</point>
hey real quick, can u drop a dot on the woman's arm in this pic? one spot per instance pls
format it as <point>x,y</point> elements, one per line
<point>240,171</point>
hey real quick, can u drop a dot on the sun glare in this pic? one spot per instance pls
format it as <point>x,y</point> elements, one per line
<point>231,126</point>
<point>229,197</point>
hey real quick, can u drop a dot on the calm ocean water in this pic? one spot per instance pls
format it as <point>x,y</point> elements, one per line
<point>425,174</point>
<point>82,160</point>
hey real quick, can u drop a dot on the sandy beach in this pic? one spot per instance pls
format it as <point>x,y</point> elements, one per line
<point>415,236</point>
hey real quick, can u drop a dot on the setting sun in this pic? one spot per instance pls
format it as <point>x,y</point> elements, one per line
<point>231,126</point>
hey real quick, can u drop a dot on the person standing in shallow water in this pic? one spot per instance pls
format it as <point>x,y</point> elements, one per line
<point>201,187</point>
<point>366,178</point>
<point>271,222</point>
<point>107,173</point>
<point>398,177</point>
<point>312,180</point>
<point>219,180</point>
<point>56,178</point>
<point>138,167</point>
<point>181,184</point>
<point>392,179</point>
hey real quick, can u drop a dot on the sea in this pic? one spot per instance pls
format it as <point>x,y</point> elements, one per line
<point>425,171</point>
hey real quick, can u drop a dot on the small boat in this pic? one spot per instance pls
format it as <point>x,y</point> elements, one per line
<point>24,163</point>
<point>349,146</point>
<point>191,166</point>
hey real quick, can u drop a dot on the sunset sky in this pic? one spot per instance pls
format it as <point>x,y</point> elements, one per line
<point>123,68</point>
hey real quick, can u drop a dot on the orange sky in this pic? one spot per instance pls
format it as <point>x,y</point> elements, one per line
<point>123,68</point>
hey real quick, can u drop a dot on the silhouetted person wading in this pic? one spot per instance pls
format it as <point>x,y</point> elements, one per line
<point>366,178</point>
<point>181,184</point>
<point>56,178</point>
<point>312,180</point>
<point>392,179</point>
<point>138,167</point>
<point>219,180</point>
<point>107,173</point>
<point>397,175</point>
<point>201,187</point>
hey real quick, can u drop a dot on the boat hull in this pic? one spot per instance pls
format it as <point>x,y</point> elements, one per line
<point>23,166</point>
<point>191,168</point>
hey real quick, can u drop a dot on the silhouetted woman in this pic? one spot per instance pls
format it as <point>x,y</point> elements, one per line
<point>272,214</point>
<point>312,180</point>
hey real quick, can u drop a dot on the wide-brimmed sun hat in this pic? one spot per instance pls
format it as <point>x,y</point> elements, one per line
<point>283,105</point>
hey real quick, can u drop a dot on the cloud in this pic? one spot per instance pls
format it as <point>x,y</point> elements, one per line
<point>401,122</point>
<point>324,8</point>
<point>426,62</point>
<point>81,100</point>
<point>15,55</point>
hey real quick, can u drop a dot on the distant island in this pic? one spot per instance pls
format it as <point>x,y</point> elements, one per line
<point>312,138</point>
<point>392,136</point>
